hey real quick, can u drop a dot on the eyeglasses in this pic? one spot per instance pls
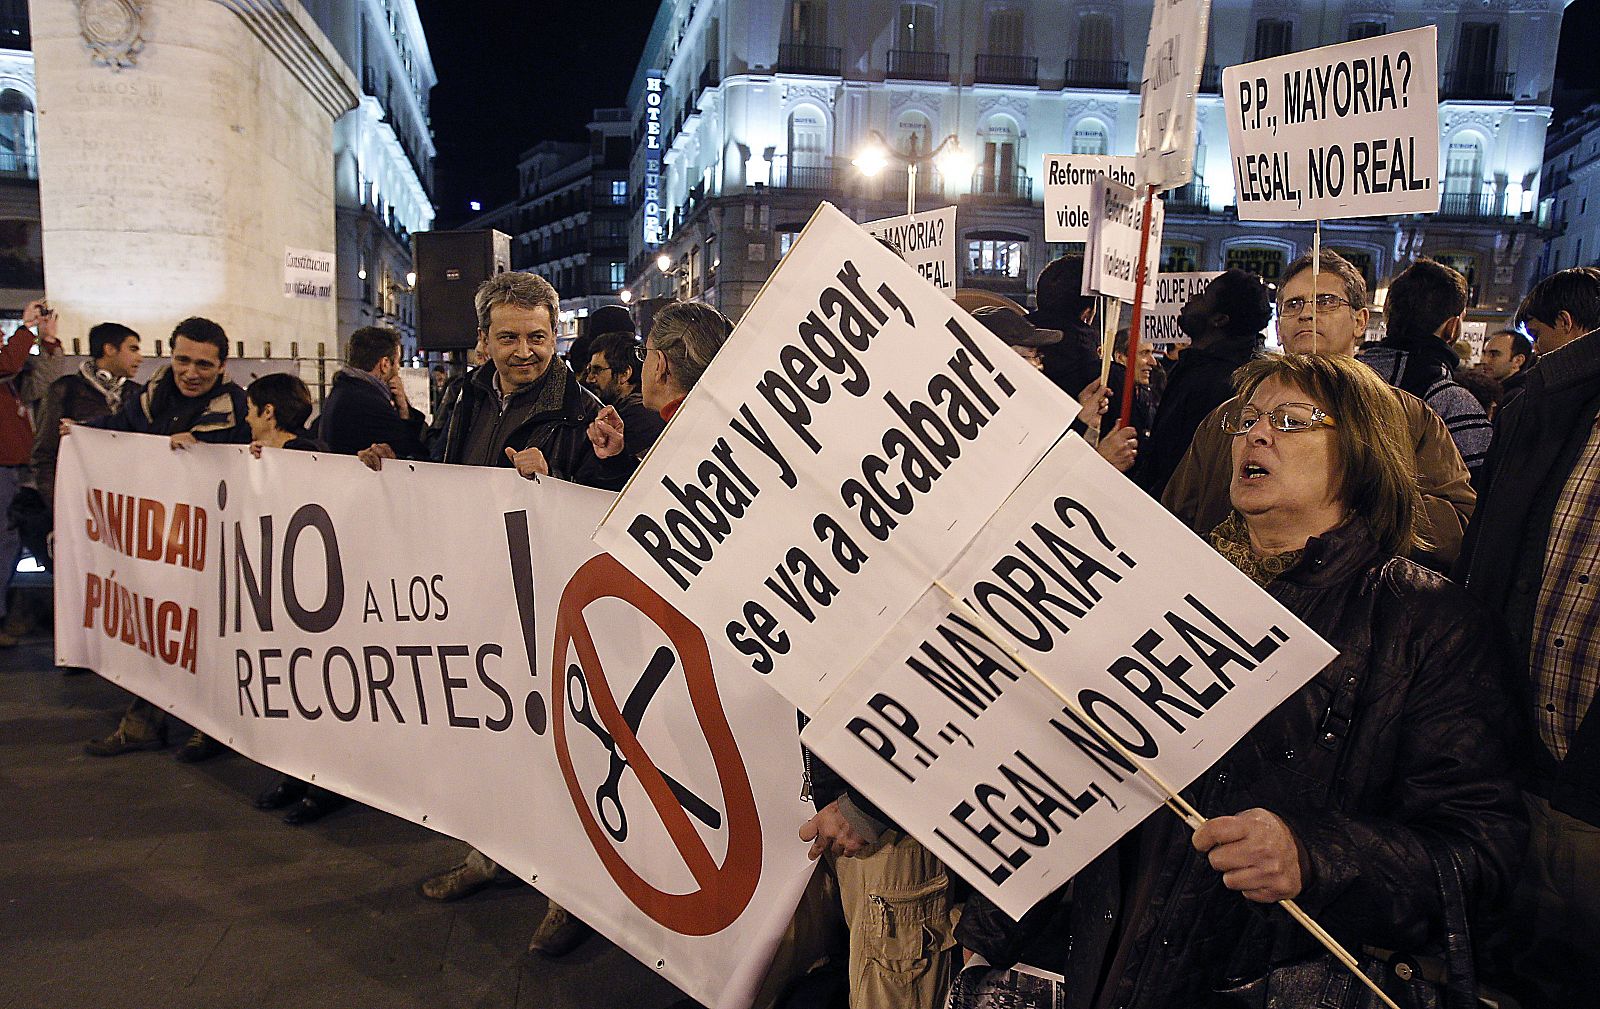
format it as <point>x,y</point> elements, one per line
<point>1325,303</point>
<point>593,370</point>
<point>1286,417</point>
<point>641,352</point>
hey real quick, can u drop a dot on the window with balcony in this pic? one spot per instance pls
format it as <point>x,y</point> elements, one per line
<point>1463,177</point>
<point>805,48</point>
<point>786,237</point>
<point>17,139</point>
<point>1366,30</point>
<point>1473,74</point>
<point>996,255</point>
<point>1095,37</point>
<point>808,23</point>
<point>1005,32</point>
<point>1274,37</point>
<point>619,192</point>
<point>998,171</point>
<point>1096,65</point>
<point>809,166</point>
<point>914,31</point>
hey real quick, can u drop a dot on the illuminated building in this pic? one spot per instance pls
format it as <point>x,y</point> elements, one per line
<point>768,101</point>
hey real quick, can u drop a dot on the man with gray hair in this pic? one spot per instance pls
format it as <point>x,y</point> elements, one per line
<point>525,408</point>
<point>683,339</point>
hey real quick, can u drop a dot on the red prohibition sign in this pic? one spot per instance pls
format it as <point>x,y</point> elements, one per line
<point>725,890</point>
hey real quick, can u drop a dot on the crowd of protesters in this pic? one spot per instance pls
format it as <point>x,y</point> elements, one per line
<point>1432,797</point>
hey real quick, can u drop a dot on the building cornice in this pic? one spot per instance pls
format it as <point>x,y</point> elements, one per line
<point>289,34</point>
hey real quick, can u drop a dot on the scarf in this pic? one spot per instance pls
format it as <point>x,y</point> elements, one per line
<point>204,414</point>
<point>1231,539</point>
<point>369,378</point>
<point>105,383</point>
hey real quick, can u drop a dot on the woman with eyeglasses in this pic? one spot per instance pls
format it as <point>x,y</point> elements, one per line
<point>1345,795</point>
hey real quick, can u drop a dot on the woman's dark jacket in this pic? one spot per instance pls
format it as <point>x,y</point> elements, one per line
<point>1400,737</point>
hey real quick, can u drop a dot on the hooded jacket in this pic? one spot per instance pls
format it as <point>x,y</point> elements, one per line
<point>1421,364</point>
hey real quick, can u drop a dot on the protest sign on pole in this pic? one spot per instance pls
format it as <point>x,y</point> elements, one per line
<point>927,241</point>
<point>1173,59</point>
<point>1172,291</point>
<point>1159,640</point>
<point>1111,254</point>
<point>856,429</point>
<point>497,680</point>
<point>1349,130</point>
<point>1069,189</point>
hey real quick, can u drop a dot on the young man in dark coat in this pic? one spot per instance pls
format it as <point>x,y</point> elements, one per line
<point>189,401</point>
<point>367,403</point>
<point>95,390</point>
<point>1424,312</point>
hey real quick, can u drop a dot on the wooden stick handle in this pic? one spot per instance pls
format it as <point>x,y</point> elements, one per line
<point>1175,802</point>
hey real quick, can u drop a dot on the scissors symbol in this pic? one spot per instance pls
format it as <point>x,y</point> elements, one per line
<point>607,797</point>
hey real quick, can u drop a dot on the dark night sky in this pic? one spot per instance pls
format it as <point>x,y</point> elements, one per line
<point>515,72</point>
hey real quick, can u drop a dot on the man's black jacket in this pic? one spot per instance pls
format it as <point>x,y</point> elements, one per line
<point>1539,434</point>
<point>358,413</point>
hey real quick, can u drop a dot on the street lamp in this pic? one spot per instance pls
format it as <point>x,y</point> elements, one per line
<point>948,157</point>
<point>626,296</point>
<point>664,263</point>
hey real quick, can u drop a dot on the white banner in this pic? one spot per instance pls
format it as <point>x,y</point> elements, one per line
<point>307,274</point>
<point>1350,130</point>
<point>1159,328</point>
<point>1116,215</point>
<point>1156,637</point>
<point>1069,188</point>
<point>445,643</point>
<point>856,429</point>
<point>927,241</point>
<point>1173,59</point>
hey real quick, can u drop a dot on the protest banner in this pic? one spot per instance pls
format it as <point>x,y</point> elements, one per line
<point>1160,641</point>
<point>1069,189</point>
<point>1349,130</point>
<point>1115,238</point>
<point>1172,292</point>
<point>927,241</point>
<point>856,429</point>
<point>496,680</point>
<point>1174,56</point>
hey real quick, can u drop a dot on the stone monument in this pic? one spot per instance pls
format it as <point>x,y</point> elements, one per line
<point>187,166</point>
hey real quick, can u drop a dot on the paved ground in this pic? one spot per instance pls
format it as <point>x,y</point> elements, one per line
<point>137,881</point>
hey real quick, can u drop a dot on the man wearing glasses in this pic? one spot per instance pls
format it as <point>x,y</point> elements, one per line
<point>613,376</point>
<point>1330,317</point>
